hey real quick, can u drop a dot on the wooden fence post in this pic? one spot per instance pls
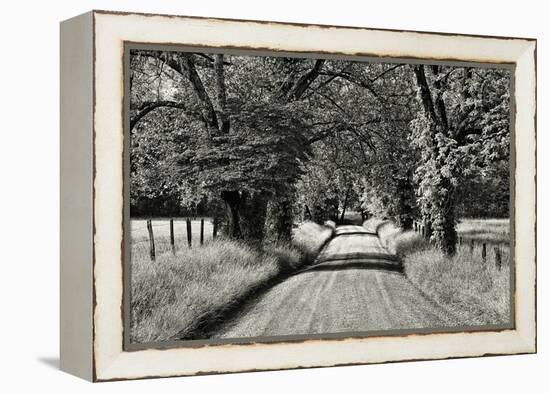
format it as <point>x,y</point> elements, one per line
<point>189,234</point>
<point>498,258</point>
<point>151,240</point>
<point>202,231</point>
<point>472,246</point>
<point>172,240</point>
<point>484,252</point>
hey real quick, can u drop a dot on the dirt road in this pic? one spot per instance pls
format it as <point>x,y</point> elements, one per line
<point>354,285</point>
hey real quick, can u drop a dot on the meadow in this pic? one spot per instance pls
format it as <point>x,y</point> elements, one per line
<point>492,230</point>
<point>179,296</point>
<point>474,288</point>
<point>161,231</point>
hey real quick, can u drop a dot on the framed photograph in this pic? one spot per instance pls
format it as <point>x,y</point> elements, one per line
<point>246,195</point>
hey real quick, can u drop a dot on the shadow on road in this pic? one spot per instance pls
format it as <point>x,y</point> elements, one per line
<point>355,233</point>
<point>356,265</point>
<point>363,257</point>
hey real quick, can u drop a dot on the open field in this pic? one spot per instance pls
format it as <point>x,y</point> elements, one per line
<point>493,230</point>
<point>181,295</point>
<point>466,284</point>
<point>161,232</point>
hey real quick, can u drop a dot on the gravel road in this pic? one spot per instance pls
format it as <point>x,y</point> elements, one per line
<point>354,285</point>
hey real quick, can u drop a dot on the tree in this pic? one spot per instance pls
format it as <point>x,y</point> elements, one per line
<point>464,111</point>
<point>329,185</point>
<point>244,148</point>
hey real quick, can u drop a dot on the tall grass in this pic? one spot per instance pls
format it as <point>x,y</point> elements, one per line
<point>181,294</point>
<point>309,237</point>
<point>473,289</point>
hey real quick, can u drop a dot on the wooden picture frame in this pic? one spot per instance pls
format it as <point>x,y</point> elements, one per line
<point>93,188</point>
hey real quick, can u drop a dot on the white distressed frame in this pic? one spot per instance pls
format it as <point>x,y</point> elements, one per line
<point>111,30</point>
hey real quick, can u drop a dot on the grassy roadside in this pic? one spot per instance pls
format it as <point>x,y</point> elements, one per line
<point>180,294</point>
<point>474,290</point>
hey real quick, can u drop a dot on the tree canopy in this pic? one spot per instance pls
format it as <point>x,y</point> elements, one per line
<point>261,142</point>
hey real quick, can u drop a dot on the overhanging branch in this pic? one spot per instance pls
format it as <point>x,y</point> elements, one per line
<point>149,106</point>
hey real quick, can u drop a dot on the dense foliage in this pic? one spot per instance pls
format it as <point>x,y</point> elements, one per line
<point>263,142</point>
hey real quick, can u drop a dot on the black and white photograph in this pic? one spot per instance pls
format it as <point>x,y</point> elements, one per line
<point>273,197</point>
<point>287,196</point>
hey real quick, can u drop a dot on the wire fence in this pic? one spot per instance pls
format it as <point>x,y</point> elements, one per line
<point>495,250</point>
<point>181,231</point>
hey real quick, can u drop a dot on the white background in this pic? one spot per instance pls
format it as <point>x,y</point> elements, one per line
<point>29,197</point>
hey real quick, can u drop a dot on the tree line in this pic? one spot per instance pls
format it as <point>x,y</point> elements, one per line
<point>262,142</point>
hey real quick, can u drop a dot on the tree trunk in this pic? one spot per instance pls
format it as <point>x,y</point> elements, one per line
<point>364,215</point>
<point>223,118</point>
<point>253,216</point>
<point>187,63</point>
<point>307,213</point>
<point>232,201</point>
<point>406,203</point>
<point>280,217</point>
<point>439,208</point>
<point>425,96</point>
<point>345,204</point>
<point>427,228</point>
<point>438,102</point>
<point>245,215</point>
<point>443,221</point>
<point>405,218</point>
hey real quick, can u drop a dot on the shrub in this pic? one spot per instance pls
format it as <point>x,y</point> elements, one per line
<point>309,237</point>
